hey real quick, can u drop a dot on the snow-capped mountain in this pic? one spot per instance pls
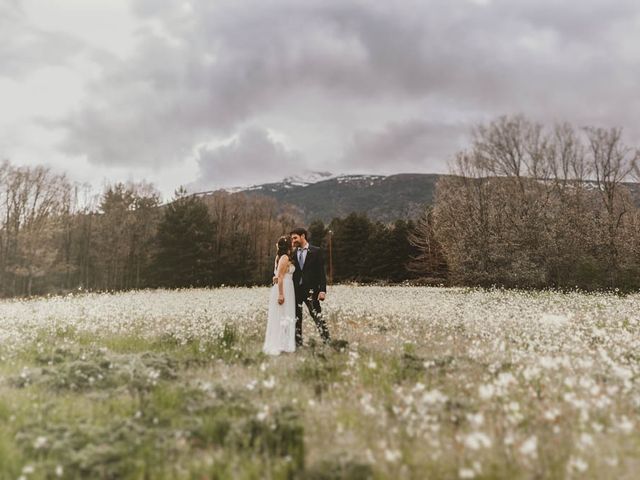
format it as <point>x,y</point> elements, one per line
<point>304,179</point>
<point>324,196</point>
<point>300,180</point>
<point>310,178</point>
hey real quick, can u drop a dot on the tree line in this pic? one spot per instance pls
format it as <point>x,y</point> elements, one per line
<point>529,205</point>
<point>526,205</point>
<point>57,236</point>
<point>224,239</point>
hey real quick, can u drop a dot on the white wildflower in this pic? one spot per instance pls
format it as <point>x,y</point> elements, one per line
<point>585,440</point>
<point>433,397</point>
<point>251,385</point>
<point>477,440</point>
<point>530,373</point>
<point>622,373</point>
<point>486,391</point>
<point>505,379</point>
<point>551,414</point>
<point>625,425</point>
<point>476,419</point>
<point>529,447</point>
<point>263,414</point>
<point>419,387</point>
<point>465,473</point>
<point>392,456</point>
<point>367,407</point>
<point>40,442</point>
<point>269,383</point>
<point>578,464</point>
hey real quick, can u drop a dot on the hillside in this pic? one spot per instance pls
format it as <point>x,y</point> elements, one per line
<point>384,198</point>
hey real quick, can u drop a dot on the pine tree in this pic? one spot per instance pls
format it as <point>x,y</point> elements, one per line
<point>184,256</point>
<point>378,253</point>
<point>317,233</point>
<point>400,251</point>
<point>350,244</point>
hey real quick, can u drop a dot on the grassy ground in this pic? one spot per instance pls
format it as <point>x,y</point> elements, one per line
<point>427,383</point>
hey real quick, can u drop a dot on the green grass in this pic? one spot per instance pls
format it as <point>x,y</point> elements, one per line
<point>133,407</point>
<point>130,407</point>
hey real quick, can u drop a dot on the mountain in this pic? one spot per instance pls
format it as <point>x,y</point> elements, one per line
<point>324,196</point>
<point>301,180</point>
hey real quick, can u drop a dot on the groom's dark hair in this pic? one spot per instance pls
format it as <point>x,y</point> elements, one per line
<point>300,231</point>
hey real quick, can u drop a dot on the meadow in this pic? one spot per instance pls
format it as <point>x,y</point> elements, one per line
<point>419,382</point>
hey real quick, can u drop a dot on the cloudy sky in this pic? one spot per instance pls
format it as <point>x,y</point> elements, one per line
<point>213,93</point>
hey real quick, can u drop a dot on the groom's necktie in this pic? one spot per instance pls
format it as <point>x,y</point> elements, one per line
<point>301,257</point>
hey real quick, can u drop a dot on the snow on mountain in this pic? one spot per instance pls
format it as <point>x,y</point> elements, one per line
<point>307,178</point>
<point>300,180</point>
<point>369,179</point>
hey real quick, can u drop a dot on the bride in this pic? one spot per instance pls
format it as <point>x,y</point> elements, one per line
<point>281,320</point>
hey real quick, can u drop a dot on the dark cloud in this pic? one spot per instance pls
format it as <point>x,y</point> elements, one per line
<point>202,69</point>
<point>252,157</point>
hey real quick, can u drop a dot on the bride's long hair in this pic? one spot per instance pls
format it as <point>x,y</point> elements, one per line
<point>284,247</point>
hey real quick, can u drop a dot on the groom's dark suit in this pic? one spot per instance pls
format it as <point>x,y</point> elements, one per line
<point>309,281</point>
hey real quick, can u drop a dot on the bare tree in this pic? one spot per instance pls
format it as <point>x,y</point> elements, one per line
<point>430,260</point>
<point>247,227</point>
<point>612,163</point>
<point>34,199</point>
<point>533,206</point>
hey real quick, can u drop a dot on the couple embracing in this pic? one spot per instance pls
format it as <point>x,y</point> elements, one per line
<point>299,278</point>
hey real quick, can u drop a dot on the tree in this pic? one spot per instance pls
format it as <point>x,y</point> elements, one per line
<point>184,243</point>
<point>378,254</point>
<point>122,237</point>
<point>318,233</point>
<point>531,206</point>
<point>612,162</point>
<point>34,199</point>
<point>111,246</point>
<point>350,243</point>
<point>146,213</point>
<point>427,258</point>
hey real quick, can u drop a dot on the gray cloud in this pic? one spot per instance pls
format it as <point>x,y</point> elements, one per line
<point>252,157</point>
<point>24,48</point>
<point>405,146</point>
<point>202,71</point>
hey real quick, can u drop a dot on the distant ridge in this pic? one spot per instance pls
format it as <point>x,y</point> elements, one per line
<point>323,196</point>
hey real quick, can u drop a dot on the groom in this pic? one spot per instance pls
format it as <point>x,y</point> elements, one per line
<point>310,282</point>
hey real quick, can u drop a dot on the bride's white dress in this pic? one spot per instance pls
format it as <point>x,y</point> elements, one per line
<point>281,320</point>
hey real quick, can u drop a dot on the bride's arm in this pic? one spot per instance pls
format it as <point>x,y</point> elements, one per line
<point>283,266</point>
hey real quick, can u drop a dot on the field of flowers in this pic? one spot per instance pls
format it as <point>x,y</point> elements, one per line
<point>419,383</point>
